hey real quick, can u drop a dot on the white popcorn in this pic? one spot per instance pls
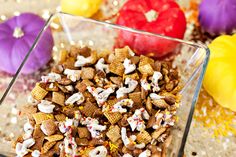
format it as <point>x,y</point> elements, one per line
<point>73,75</point>
<point>70,88</point>
<point>130,140</point>
<point>140,146</point>
<point>101,66</point>
<point>20,150</point>
<point>99,151</point>
<point>70,146</point>
<point>124,137</point>
<point>159,118</point>
<point>100,94</point>
<point>127,155</point>
<point>81,61</point>
<point>136,120</point>
<point>145,85</point>
<point>155,96</point>
<point>35,153</point>
<point>156,76</point>
<point>28,129</point>
<point>51,77</point>
<point>93,126</point>
<point>118,106</point>
<point>65,126</point>
<point>129,67</point>
<point>77,97</point>
<point>145,153</point>
<point>46,106</point>
<point>154,84</point>
<point>132,84</point>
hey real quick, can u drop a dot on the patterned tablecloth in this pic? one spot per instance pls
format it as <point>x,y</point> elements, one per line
<point>211,133</point>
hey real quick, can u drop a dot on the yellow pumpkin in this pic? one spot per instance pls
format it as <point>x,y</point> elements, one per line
<point>220,78</point>
<point>86,8</point>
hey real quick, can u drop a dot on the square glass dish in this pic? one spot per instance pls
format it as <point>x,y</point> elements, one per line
<point>191,60</point>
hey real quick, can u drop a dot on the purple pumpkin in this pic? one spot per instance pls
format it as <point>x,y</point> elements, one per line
<point>17,35</point>
<point>218,16</point>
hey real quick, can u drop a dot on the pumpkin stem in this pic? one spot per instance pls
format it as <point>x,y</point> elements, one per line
<point>18,32</point>
<point>151,16</point>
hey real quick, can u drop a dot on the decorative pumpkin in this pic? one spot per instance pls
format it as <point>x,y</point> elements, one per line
<point>220,78</point>
<point>157,16</point>
<point>86,8</point>
<point>217,16</point>
<point>17,35</point>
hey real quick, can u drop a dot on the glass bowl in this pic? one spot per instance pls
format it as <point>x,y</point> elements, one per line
<point>190,58</point>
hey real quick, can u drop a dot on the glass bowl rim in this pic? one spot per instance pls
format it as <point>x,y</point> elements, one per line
<point>115,26</point>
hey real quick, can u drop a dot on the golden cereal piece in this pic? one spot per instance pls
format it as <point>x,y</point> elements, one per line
<point>87,73</point>
<point>146,60</point>
<point>60,117</point>
<point>54,138</point>
<point>89,109</point>
<point>146,69</point>
<point>40,117</point>
<point>93,57</point>
<point>58,98</point>
<point>112,102</point>
<point>136,97</point>
<point>62,56</point>
<point>157,133</point>
<point>160,103</point>
<point>117,68</point>
<point>83,132</point>
<point>114,133</point>
<point>37,132</point>
<point>104,54</point>
<point>38,92</point>
<point>133,76</point>
<point>122,53</point>
<point>113,117</point>
<point>47,146</point>
<point>144,137</point>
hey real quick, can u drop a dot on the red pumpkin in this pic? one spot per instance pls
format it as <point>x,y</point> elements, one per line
<point>17,35</point>
<point>157,16</point>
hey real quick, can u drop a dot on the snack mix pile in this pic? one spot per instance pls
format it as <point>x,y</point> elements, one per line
<point>101,104</point>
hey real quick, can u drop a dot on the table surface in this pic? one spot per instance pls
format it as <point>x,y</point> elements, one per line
<point>201,141</point>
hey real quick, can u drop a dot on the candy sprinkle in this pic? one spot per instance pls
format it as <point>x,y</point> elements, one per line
<point>212,116</point>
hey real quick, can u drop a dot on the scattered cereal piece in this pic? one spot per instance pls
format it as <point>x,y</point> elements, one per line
<point>83,132</point>
<point>60,117</point>
<point>117,68</point>
<point>144,137</point>
<point>113,117</point>
<point>113,133</point>
<point>47,146</point>
<point>58,98</point>
<point>40,117</point>
<point>53,138</point>
<point>38,92</point>
<point>87,73</point>
<point>48,127</point>
<point>89,109</point>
